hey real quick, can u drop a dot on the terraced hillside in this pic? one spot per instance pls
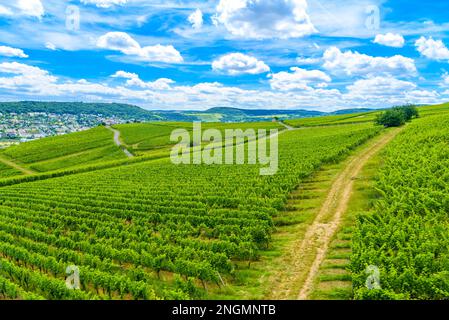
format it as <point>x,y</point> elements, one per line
<point>8,171</point>
<point>144,137</point>
<point>363,117</point>
<point>144,228</point>
<point>131,229</point>
<point>60,152</point>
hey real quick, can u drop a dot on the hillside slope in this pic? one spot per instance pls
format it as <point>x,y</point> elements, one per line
<point>135,230</point>
<point>54,153</point>
<point>124,111</point>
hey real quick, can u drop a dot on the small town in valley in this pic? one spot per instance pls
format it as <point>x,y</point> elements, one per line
<point>22,127</point>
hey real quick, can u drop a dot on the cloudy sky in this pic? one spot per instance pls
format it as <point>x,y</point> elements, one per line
<point>270,54</point>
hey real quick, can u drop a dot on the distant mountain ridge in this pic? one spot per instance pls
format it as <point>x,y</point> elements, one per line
<point>134,113</point>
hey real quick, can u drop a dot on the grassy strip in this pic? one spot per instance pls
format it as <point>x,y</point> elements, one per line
<point>334,280</point>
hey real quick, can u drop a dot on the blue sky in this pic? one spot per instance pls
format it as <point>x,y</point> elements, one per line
<point>194,55</point>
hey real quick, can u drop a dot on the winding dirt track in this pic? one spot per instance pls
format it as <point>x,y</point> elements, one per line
<point>16,166</point>
<point>118,142</point>
<point>311,252</point>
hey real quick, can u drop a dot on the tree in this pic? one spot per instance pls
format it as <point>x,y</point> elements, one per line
<point>410,112</point>
<point>260,236</point>
<point>397,116</point>
<point>391,118</point>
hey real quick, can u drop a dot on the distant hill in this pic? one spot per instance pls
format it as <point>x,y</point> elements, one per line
<point>260,113</point>
<point>125,111</point>
<point>134,113</point>
<point>350,111</point>
<point>221,114</point>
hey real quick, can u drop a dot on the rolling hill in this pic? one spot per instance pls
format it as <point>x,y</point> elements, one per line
<point>125,111</point>
<point>134,113</point>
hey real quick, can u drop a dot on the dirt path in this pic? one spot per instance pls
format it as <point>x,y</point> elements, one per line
<point>119,143</point>
<point>16,166</point>
<point>311,251</point>
<point>289,128</point>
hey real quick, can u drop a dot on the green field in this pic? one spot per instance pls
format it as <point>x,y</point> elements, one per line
<point>145,228</point>
<point>65,151</point>
<point>149,221</point>
<point>406,233</point>
<point>96,146</point>
<point>7,171</point>
<point>359,117</point>
<point>143,137</point>
<point>334,120</point>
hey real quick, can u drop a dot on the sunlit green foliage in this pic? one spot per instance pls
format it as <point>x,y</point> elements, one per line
<point>6,171</point>
<point>406,235</point>
<point>130,228</point>
<point>55,153</point>
<point>334,120</point>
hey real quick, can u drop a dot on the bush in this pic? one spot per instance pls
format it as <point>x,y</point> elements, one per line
<point>391,118</point>
<point>410,112</point>
<point>397,116</point>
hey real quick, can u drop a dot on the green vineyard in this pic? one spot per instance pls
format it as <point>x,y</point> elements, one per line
<point>406,234</point>
<point>61,152</point>
<point>146,137</point>
<point>129,227</point>
<point>334,120</point>
<point>143,228</point>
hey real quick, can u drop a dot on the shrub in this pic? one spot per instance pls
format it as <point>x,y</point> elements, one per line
<point>410,112</point>
<point>391,118</point>
<point>397,116</point>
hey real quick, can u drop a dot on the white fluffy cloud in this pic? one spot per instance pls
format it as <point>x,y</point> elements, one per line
<point>12,52</point>
<point>22,77</point>
<point>32,8</point>
<point>262,19</point>
<point>239,63</point>
<point>34,82</point>
<point>299,79</point>
<point>196,19</point>
<point>4,11</point>
<point>125,75</point>
<point>390,40</point>
<point>23,69</point>
<point>121,41</point>
<point>432,49</point>
<point>356,64</point>
<point>105,3</point>
<point>389,91</point>
<point>380,86</point>
<point>30,82</point>
<point>133,79</point>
